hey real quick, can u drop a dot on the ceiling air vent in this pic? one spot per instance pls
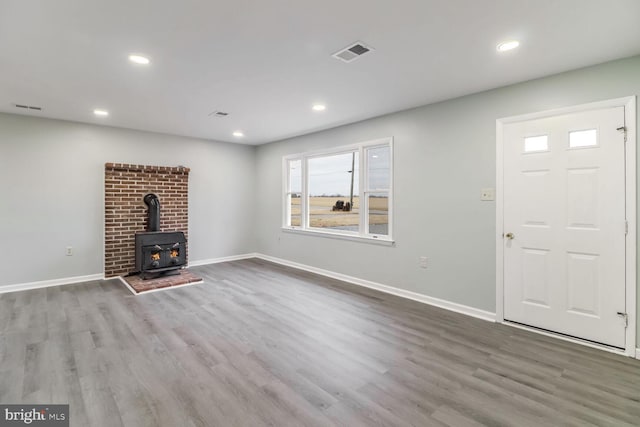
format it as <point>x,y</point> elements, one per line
<point>218,114</point>
<point>353,52</point>
<point>28,107</point>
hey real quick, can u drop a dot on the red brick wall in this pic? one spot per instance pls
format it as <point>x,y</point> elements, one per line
<point>126,213</point>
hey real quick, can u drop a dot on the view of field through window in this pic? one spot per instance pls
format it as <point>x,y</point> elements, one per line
<point>334,191</point>
<point>334,200</point>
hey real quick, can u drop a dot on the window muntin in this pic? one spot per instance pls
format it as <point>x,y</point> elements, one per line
<point>342,191</point>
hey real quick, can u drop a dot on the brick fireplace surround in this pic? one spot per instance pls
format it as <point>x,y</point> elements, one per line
<point>126,213</point>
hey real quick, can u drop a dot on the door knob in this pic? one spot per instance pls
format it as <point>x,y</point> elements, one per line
<point>510,236</point>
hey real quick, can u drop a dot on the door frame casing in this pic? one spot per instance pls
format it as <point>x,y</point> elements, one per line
<point>629,104</point>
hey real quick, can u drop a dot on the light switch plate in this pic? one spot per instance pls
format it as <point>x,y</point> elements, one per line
<point>488,194</point>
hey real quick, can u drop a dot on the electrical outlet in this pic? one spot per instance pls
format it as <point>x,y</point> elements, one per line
<point>488,194</point>
<point>69,251</point>
<point>423,261</point>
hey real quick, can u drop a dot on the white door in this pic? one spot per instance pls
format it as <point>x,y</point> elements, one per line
<point>564,224</point>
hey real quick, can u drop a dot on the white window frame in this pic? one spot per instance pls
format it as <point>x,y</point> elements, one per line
<point>365,191</point>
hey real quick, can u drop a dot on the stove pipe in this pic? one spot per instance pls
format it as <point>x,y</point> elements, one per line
<point>153,219</point>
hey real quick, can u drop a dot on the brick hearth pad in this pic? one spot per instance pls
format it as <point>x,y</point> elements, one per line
<point>139,285</point>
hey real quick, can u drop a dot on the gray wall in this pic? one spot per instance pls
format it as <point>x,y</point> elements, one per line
<point>444,154</point>
<point>52,194</point>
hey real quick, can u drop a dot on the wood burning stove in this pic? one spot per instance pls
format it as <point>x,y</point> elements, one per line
<point>159,252</point>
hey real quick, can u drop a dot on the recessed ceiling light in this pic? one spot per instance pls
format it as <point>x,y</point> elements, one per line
<point>505,46</point>
<point>238,134</point>
<point>319,107</point>
<point>101,113</point>
<point>138,59</point>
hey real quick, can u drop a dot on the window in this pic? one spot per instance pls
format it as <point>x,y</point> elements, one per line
<point>536,143</point>
<point>583,138</point>
<point>346,191</point>
<point>294,193</point>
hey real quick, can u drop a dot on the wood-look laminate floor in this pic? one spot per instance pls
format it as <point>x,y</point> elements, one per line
<point>260,344</point>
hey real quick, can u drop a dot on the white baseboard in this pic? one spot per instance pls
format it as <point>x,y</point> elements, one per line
<point>48,283</point>
<point>100,276</point>
<point>222,259</point>
<point>638,353</point>
<point>448,305</point>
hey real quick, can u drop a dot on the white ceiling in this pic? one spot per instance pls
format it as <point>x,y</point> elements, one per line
<point>266,62</point>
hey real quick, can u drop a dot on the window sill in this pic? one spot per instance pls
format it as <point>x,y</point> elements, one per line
<point>355,238</point>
